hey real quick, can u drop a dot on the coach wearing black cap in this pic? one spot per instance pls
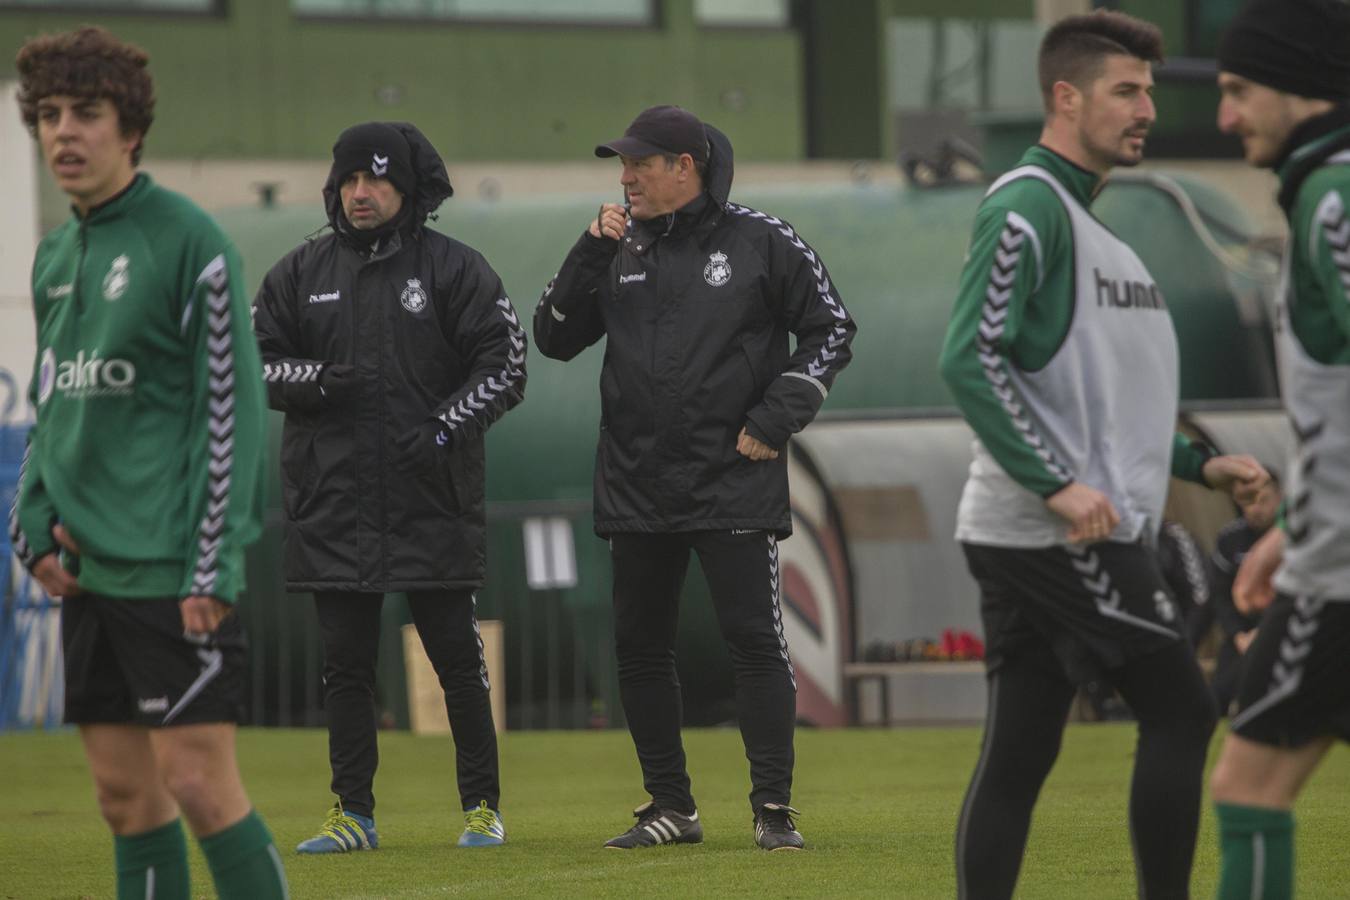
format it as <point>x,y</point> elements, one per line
<point>390,348</point>
<point>701,388</point>
<point>1284,84</point>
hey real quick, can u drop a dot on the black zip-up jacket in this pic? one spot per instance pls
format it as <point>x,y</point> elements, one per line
<point>435,344</point>
<point>698,308</point>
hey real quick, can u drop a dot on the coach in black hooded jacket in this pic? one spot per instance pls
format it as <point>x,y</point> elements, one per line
<point>698,307</point>
<point>390,348</point>
<point>697,299</point>
<point>362,344</point>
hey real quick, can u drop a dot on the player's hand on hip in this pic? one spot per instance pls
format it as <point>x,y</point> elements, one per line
<point>202,615</point>
<point>54,578</point>
<point>62,537</point>
<point>1089,512</point>
<point>1240,475</point>
<point>753,448</point>
<point>1253,587</point>
<point>610,222</point>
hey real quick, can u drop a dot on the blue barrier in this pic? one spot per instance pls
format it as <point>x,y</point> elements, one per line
<point>31,675</point>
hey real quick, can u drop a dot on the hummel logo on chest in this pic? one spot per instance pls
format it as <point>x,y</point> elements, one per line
<point>1123,294</point>
<point>325,298</point>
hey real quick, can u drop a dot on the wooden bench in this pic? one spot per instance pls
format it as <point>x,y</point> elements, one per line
<point>856,673</point>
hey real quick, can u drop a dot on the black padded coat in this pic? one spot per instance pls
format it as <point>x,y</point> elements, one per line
<point>434,340</point>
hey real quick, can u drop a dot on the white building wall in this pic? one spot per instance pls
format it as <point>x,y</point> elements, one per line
<point>18,242</point>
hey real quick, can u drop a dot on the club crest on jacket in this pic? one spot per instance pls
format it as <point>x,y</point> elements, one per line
<point>413,298</point>
<point>718,271</point>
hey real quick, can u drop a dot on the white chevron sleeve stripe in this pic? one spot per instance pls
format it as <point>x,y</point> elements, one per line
<point>482,395</point>
<point>820,365</point>
<point>220,424</point>
<point>993,319</point>
<point>17,539</point>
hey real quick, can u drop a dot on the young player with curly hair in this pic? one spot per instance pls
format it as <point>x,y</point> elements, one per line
<point>142,480</point>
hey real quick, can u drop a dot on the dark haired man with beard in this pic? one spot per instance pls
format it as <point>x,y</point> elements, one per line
<point>1284,83</point>
<point>391,349</point>
<point>145,467</point>
<point>1062,356</point>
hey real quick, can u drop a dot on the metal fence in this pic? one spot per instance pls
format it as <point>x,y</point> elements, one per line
<point>548,583</point>
<point>558,668</point>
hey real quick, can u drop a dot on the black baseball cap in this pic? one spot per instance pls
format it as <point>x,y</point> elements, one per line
<point>660,129</point>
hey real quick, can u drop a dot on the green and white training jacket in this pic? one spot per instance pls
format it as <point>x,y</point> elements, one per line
<point>150,412</point>
<point>1062,355</point>
<point>1313,343</point>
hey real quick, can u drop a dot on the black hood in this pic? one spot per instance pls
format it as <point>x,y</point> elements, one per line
<point>717,181</point>
<point>433,183</point>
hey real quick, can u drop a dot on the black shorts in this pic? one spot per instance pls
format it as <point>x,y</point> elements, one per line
<point>1296,674</point>
<point>128,661</point>
<point>1085,610</point>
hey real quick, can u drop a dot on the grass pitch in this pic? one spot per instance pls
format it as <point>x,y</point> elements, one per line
<point>879,813</point>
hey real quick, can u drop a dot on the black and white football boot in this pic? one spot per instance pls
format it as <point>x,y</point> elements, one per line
<point>656,826</point>
<point>775,829</point>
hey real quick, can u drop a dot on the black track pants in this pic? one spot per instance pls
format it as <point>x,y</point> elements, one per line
<point>1028,704</point>
<point>742,573</point>
<point>350,625</point>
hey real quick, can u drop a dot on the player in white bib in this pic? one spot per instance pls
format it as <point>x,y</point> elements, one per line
<point>1062,356</point>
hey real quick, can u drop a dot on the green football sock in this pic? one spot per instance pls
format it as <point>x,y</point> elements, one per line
<point>152,864</point>
<point>244,862</point>
<point>1257,849</point>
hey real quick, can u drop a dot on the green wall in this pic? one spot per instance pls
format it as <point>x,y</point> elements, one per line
<point>846,94</point>
<point>258,82</point>
<point>960,9</point>
<point>847,82</point>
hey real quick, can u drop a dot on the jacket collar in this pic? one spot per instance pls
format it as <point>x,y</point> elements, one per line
<point>1307,147</point>
<point>1078,181</point>
<point>680,222</point>
<point>118,204</point>
<point>380,249</point>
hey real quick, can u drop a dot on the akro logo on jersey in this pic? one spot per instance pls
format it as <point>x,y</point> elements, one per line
<point>118,278</point>
<point>84,376</point>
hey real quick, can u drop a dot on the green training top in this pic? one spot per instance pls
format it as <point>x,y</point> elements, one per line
<point>1321,318</point>
<point>150,413</point>
<point>1039,313</point>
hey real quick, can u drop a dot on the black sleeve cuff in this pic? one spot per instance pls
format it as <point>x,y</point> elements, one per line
<point>1053,491</point>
